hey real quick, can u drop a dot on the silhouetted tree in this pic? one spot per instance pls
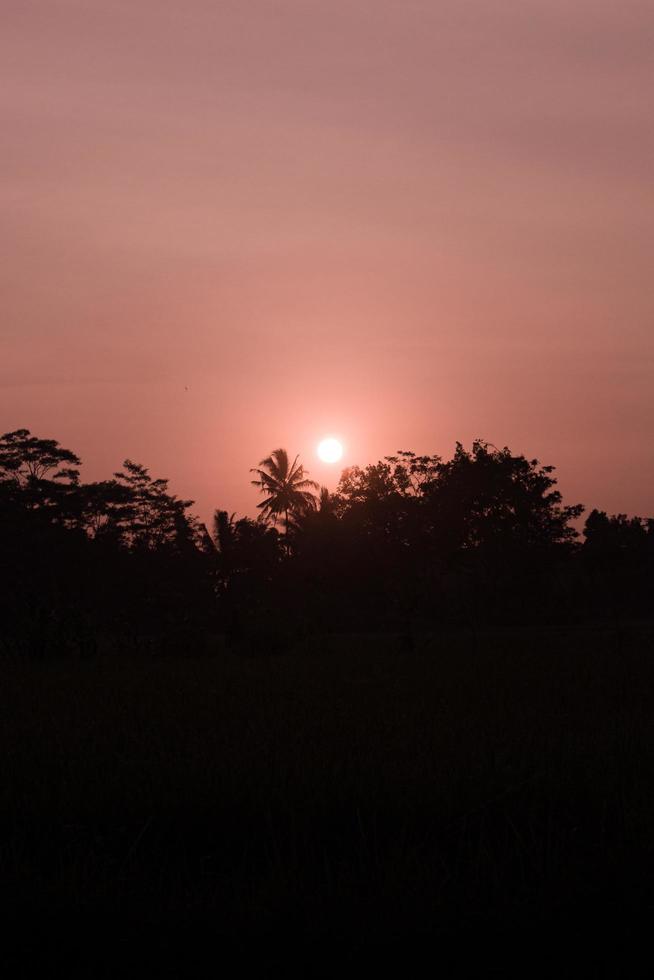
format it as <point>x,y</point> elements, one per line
<point>246,549</point>
<point>484,534</point>
<point>618,556</point>
<point>617,535</point>
<point>39,474</point>
<point>432,532</point>
<point>286,487</point>
<point>25,459</point>
<point>102,508</point>
<point>149,516</point>
<point>497,499</point>
<point>479,499</point>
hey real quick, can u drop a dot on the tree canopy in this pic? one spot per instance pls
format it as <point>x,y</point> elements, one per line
<point>482,536</point>
<point>287,490</point>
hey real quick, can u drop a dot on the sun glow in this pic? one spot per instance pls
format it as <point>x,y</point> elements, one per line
<point>330,450</point>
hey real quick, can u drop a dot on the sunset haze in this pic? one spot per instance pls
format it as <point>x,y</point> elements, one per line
<point>229,227</point>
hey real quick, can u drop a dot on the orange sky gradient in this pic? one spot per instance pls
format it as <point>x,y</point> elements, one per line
<point>403,222</point>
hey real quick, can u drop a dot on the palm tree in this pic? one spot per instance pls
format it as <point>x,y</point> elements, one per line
<point>287,489</point>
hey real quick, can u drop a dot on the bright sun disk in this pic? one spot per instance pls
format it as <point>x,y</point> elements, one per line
<point>330,450</point>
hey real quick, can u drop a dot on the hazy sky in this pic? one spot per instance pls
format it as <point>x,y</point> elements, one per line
<point>402,221</point>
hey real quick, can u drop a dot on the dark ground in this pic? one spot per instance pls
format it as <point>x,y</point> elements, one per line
<point>338,806</point>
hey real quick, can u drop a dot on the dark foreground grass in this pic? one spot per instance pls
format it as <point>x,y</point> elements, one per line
<point>486,795</point>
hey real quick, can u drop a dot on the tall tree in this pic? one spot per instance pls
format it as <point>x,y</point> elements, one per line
<point>150,516</point>
<point>480,499</point>
<point>24,459</point>
<point>38,475</point>
<point>245,549</point>
<point>286,488</point>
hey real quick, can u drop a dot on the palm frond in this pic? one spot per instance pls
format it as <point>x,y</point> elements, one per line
<point>275,465</point>
<point>295,469</point>
<point>287,489</point>
<point>306,484</point>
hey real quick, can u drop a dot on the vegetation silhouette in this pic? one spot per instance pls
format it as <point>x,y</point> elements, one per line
<point>409,543</point>
<point>452,739</point>
<point>287,489</point>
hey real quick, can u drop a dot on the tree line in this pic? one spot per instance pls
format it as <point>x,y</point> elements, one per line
<point>410,542</point>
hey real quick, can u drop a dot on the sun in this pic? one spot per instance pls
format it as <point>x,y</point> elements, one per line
<point>330,450</point>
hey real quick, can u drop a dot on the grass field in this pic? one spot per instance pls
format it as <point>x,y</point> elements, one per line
<point>348,789</point>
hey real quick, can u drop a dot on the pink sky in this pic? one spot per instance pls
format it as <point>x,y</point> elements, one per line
<point>402,221</point>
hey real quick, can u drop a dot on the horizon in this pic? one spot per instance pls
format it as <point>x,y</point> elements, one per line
<point>339,471</point>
